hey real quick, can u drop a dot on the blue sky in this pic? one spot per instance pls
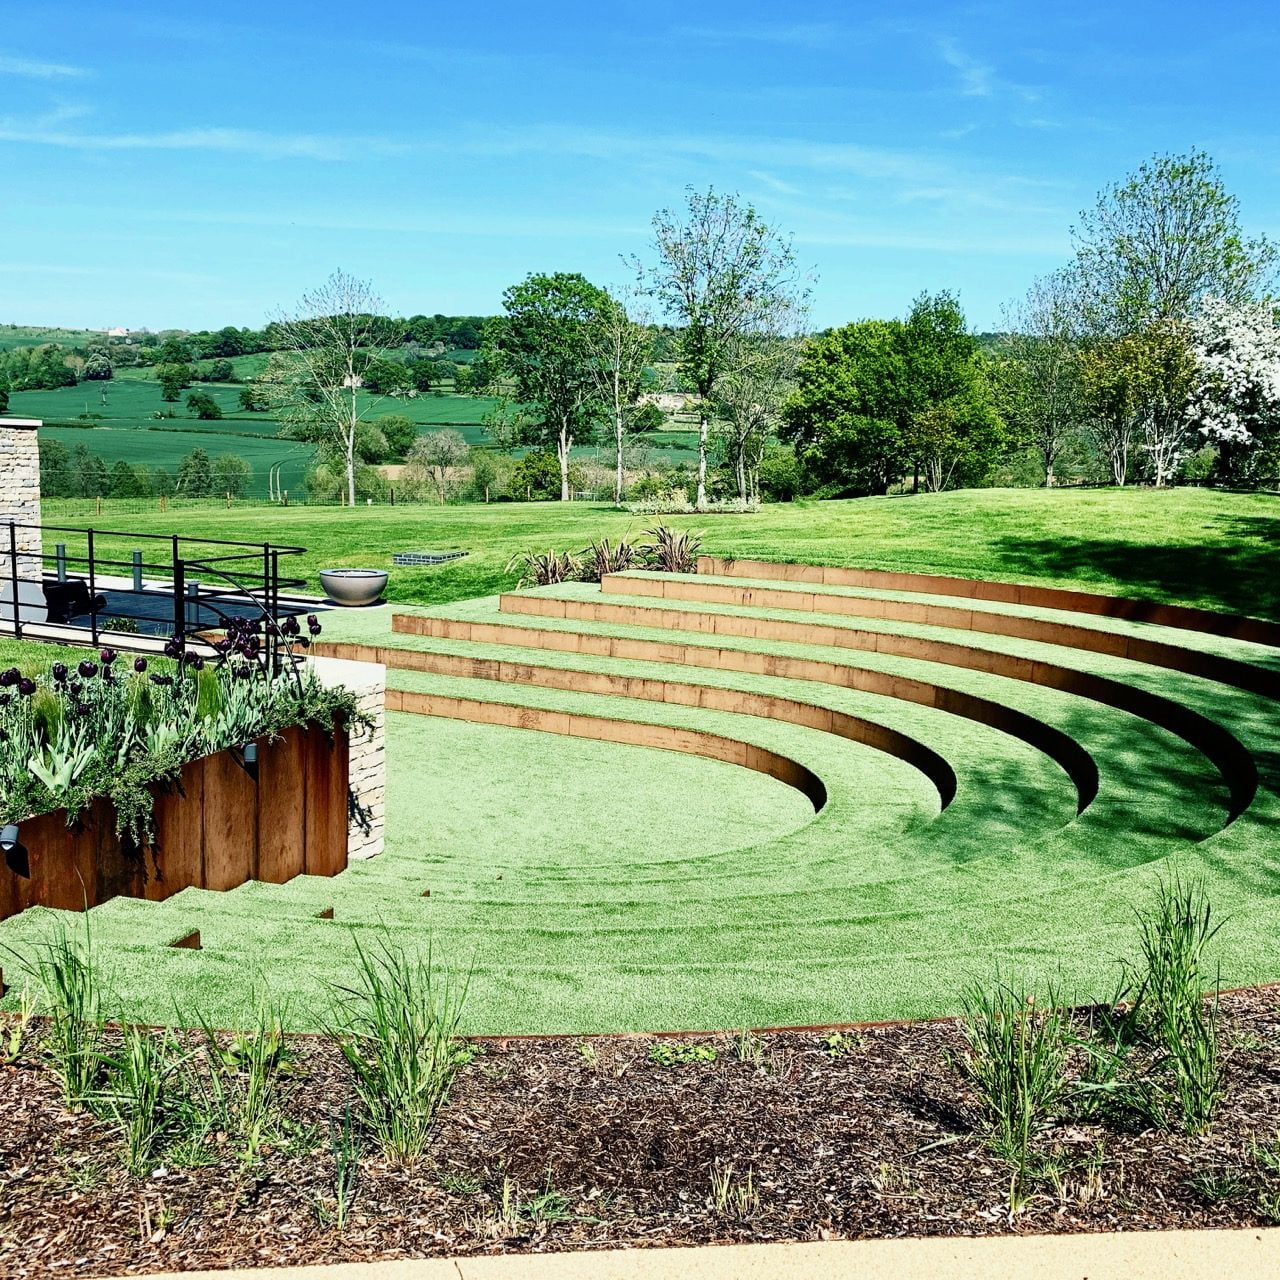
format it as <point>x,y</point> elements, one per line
<point>165,167</point>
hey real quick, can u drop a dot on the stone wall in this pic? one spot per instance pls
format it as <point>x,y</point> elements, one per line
<point>20,495</point>
<point>368,779</point>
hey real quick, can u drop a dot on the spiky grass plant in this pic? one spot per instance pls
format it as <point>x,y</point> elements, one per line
<point>672,550</point>
<point>66,974</point>
<point>138,1096</point>
<point>1016,1061</point>
<point>603,557</point>
<point>1170,1004</point>
<point>398,1031</point>
<point>539,569</point>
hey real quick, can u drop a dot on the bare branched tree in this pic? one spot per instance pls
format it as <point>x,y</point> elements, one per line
<point>621,344</point>
<point>722,274</point>
<point>314,383</point>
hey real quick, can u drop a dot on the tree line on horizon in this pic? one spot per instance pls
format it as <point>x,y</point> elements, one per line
<point>1153,355</point>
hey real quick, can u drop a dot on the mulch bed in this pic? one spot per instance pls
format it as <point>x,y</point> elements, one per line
<point>588,1144</point>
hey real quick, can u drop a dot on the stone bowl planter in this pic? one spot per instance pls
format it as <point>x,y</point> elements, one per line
<point>353,587</point>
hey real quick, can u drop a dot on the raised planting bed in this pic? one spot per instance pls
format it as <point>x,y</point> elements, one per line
<point>224,820</point>
<point>144,777</point>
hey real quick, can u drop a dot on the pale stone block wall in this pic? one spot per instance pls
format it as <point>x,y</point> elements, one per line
<point>20,495</point>
<point>368,781</point>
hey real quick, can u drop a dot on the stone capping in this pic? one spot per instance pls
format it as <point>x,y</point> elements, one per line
<point>696,742</point>
<point>1076,762</point>
<point>1221,747</point>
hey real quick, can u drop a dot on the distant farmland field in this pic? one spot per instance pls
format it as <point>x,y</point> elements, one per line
<point>125,426</point>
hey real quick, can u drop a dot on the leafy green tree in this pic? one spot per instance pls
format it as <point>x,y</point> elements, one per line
<point>220,371</point>
<point>174,350</point>
<point>97,368</point>
<point>56,477</point>
<point>722,273</point>
<point>544,343</point>
<point>200,404</point>
<point>124,481</point>
<point>1037,369</point>
<point>538,477</point>
<point>4,390</point>
<point>195,475</point>
<point>398,431</point>
<point>1154,245</point>
<point>172,379</point>
<point>484,475</point>
<point>387,378</point>
<point>231,475</point>
<point>849,413</point>
<point>621,349</point>
<point>89,475</point>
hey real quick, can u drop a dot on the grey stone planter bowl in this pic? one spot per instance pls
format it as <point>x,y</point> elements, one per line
<point>353,587</point>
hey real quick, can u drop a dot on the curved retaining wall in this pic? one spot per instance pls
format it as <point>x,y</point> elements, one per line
<point>694,742</point>
<point>1223,750</point>
<point>1060,747</point>
<point>682,693</point>
<point>1241,675</point>
<point>1183,617</point>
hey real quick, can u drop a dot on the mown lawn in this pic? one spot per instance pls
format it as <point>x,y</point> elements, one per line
<point>1195,546</point>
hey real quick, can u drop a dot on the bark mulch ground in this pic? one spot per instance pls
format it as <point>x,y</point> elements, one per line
<point>585,1144</point>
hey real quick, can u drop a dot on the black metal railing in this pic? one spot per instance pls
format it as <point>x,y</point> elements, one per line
<point>179,587</point>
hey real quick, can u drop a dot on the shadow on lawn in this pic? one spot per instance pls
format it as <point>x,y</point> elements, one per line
<point>1233,576</point>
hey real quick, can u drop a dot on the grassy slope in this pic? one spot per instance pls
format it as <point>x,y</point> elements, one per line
<point>1196,546</point>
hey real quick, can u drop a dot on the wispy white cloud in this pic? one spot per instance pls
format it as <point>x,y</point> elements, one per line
<point>255,142</point>
<point>773,182</point>
<point>979,79</point>
<point>808,35</point>
<point>34,69</point>
<point>976,78</point>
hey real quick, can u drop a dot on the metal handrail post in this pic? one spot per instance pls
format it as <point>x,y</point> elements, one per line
<point>93,592</point>
<point>13,573</point>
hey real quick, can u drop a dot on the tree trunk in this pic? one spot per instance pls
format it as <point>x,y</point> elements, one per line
<point>618,477</point>
<point>1048,473</point>
<point>703,424</point>
<point>563,446</point>
<point>351,470</point>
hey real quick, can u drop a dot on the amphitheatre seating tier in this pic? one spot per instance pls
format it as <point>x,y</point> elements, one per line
<point>940,775</point>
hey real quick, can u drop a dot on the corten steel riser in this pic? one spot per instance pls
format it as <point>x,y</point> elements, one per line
<point>673,693</point>
<point>694,742</point>
<point>1181,617</point>
<point>1218,745</point>
<point>221,824</point>
<point>1062,749</point>
<point>1240,675</point>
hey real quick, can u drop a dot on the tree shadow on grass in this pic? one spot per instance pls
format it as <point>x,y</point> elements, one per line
<point>1236,572</point>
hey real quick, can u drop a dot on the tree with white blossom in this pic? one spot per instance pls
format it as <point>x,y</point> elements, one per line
<point>1234,402</point>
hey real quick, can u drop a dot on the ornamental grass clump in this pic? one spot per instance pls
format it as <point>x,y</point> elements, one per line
<point>398,1031</point>
<point>1185,1084</point>
<point>1016,1061</point>
<point>111,728</point>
